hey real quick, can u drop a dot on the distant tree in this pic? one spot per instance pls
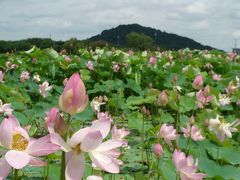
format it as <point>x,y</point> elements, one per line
<point>41,42</point>
<point>139,41</point>
<point>72,45</point>
<point>99,43</point>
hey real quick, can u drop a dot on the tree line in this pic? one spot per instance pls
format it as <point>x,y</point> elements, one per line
<point>134,40</point>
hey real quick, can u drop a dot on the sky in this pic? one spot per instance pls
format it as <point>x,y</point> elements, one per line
<point>210,22</point>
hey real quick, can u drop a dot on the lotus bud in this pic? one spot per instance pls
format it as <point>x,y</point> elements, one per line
<point>130,53</point>
<point>198,82</point>
<point>78,59</point>
<point>105,99</point>
<point>34,60</point>
<point>170,58</point>
<point>238,102</point>
<point>144,110</point>
<point>1,76</point>
<point>192,120</point>
<point>158,150</point>
<point>206,122</point>
<point>206,91</point>
<point>148,113</point>
<point>150,85</point>
<point>74,98</point>
<point>162,99</point>
<point>60,126</point>
<point>233,56</point>
<point>174,79</point>
<point>55,122</point>
<point>51,119</point>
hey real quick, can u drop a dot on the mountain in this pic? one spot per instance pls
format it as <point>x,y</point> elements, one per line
<point>117,36</point>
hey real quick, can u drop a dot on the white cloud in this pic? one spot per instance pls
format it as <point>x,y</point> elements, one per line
<point>200,25</point>
<point>197,7</point>
<point>236,34</point>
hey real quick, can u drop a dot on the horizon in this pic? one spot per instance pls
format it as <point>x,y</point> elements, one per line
<point>67,19</point>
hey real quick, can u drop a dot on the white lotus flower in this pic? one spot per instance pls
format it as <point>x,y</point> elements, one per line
<point>222,129</point>
<point>44,88</point>
<point>95,104</point>
<point>144,54</point>
<point>238,81</point>
<point>223,100</point>
<point>36,78</point>
<point>5,109</point>
<point>178,88</point>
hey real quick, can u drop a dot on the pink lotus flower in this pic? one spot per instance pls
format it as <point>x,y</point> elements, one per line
<point>203,97</point>
<point>74,98</point>
<point>20,150</point>
<point>5,109</point>
<point>168,133</point>
<point>198,82</point>
<point>158,150</point>
<point>185,166</point>
<point>10,65</point>
<point>1,77</point>
<point>119,134</point>
<point>89,65</point>
<point>152,60</point>
<point>193,132</point>
<point>90,140</point>
<point>104,120</point>
<point>44,88</point>
<point>116,67</point>
<point>217,77</point>
<point>24,76</point>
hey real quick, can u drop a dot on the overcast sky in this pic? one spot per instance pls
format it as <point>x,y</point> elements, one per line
<point>210,22</point>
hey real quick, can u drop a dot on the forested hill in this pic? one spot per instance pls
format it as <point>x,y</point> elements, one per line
<point>117,36</point>
<point>124,36</point>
